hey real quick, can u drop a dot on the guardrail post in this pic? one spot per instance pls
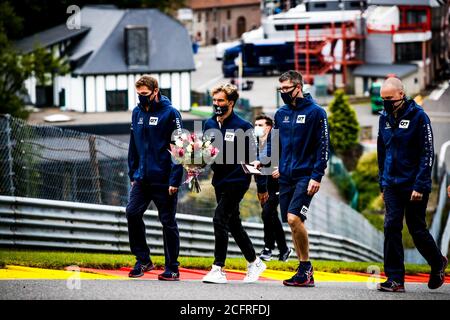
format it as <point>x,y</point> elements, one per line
<point>9,172</point>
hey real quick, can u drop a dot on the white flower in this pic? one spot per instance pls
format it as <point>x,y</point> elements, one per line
<point>184,136</point>
<point>179,143</point>
<point>207,144</point>
<point>189,148</point>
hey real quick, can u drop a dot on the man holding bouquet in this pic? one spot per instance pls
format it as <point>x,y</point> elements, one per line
<point>154,177</point>
<point>230,182</point>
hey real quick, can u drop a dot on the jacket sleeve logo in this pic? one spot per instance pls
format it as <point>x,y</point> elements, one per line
<point>141,121</point>
<point>404,124</point>
<point>301,118</point>
<point>153,121</point>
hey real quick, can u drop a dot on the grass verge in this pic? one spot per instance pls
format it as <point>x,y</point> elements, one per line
<point>62,259</point>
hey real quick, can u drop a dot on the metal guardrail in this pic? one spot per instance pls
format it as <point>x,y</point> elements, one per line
<point>442,240</point>
<point>27,222</point>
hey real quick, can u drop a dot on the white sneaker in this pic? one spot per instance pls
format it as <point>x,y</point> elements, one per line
<point>254,270</point>
<point>216,275</point>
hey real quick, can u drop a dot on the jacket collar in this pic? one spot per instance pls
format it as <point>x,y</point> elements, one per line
<point>301,103</point>
<point>227,120</point>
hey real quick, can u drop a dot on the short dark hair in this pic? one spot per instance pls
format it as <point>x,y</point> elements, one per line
<point>268,119</point>
<point>294,76</point>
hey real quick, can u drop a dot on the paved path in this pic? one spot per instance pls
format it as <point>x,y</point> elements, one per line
<point>33,283</point>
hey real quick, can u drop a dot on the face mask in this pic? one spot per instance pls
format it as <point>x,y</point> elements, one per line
<point>390,105</point>
<point>220,111</point>
<point>259,131</point>
<point>145,100</point>
<point>287,97</point>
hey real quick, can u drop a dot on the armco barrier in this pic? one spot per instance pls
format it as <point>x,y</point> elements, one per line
<point>37,223</point>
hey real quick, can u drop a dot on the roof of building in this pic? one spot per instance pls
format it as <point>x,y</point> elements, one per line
<point>101,50</point>
<point>382,70</point>
<point>207,4</point>
<point>428,3</point>
<point>49,37</point>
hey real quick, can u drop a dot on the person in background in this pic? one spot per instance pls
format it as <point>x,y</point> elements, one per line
<point>268,197</point>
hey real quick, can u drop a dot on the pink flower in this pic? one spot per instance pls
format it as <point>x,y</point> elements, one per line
<point>214,152</point>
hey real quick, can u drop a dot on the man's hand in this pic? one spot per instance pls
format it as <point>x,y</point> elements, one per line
<point>256,164</point>
<point>132,183</point>
<point>313,187</point>
<point>448,191</point>
<point>172,190</point>
<point>276,174</point>
<point>382,196</point>
<point>263,197</point>
<point>416,196</point>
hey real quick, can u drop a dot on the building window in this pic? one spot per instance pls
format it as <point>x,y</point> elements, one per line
<point>410,51</point>
<point>214,15</point>
<point>206,16</point>
<point>62,97</point>
<point>229,14</point>
<point>117,100</point>
<point>199,17</point>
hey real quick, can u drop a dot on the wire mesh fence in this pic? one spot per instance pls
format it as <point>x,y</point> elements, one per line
<point>46,162</point>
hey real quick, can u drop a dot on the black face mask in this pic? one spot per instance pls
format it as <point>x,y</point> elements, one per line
<point>145,100</point>
<point>390,105</point>
<point>220,111</point>
<point>287,97</point>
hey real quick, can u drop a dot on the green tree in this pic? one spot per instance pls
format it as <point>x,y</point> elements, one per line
<point>344,126</point>
<point>344,130</point>
<point>15,67</point>
<point>366,179</point>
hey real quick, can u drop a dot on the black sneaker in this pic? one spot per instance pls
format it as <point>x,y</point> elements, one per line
<point>303,278</point>
<point>140,268</point>
<point>391,286</point>
<point>169,275</point>
<point>266,254</point>
<point>437,278</point>
<point>285,255</point>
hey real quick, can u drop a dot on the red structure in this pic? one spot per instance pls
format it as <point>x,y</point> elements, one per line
<point>312,50</point>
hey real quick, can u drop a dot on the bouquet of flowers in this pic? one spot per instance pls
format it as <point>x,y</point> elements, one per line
<point>194,154</point>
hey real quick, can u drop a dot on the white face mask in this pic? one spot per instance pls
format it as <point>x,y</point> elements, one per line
<point>259,131</point>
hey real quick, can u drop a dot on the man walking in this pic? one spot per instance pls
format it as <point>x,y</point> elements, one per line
<point>268,196</point>
<point>304,143</point>
<point>230,183</point>
<point>405,160</point>
<point>153,176</point>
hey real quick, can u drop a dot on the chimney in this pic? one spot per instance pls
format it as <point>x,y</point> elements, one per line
<point>136,45</point>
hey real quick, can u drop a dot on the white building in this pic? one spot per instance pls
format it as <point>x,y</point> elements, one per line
<point>110,51</point>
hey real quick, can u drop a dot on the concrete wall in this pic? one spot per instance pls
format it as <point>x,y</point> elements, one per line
<point>379,48</point>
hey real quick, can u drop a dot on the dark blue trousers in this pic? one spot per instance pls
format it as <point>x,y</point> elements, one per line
<point>140,197</point>
<point>227,220</point>
<point>398,206</point>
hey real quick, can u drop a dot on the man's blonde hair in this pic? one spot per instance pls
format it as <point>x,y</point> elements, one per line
<point>231,91</point>
<point>147,81</point>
